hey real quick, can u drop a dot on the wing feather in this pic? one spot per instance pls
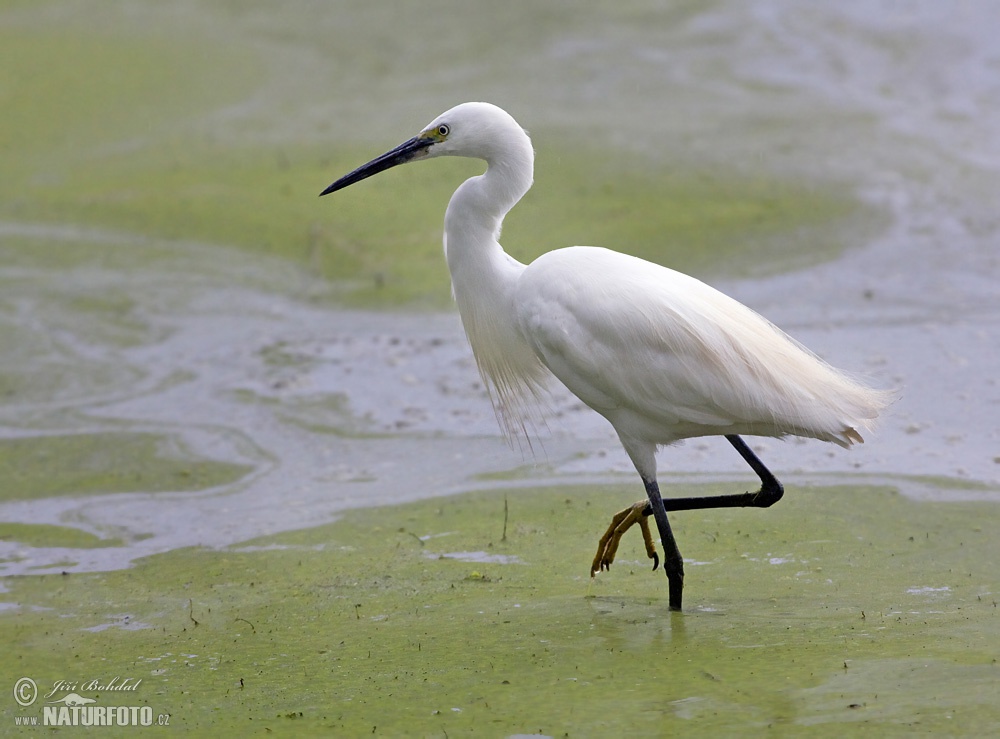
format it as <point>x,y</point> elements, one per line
<point>672,357</point>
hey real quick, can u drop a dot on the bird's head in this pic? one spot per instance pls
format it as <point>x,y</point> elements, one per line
<point>477,130</point>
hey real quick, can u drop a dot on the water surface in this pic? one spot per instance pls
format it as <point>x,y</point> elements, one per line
<point>263,405</point>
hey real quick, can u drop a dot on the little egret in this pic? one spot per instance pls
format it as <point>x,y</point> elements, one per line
<point>660,355</point>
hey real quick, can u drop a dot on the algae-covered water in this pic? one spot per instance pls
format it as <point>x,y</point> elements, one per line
<point>213,383</point>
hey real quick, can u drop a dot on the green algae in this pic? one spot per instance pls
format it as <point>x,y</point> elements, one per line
<point>840,608</point>
<point>319,413</point>
<point>328,413</point>
<point>708,224</point>
<point>120,135</point>
<point>46,535</point>
<point>35,467</point>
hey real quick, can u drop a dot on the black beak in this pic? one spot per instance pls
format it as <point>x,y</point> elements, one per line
<point>403,153</point>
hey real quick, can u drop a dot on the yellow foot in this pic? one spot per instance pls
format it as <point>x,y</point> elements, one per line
<point>622,522</point>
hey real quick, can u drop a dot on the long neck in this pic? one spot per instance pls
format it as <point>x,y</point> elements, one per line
<point>482,274</point>
<point>484,277</point>
<point>476,211</point>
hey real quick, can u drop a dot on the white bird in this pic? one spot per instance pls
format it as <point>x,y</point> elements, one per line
<point>659,354</point>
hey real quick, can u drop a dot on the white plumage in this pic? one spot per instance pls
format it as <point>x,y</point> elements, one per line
<point>660,354</point>
<point>664,356</point>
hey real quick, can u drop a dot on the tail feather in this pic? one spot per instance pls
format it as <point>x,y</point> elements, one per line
<point>851,436</point>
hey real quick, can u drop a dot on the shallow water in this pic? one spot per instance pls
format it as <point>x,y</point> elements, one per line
<point>247,375</point>
<point>433,617</point>
<point>188,407</point>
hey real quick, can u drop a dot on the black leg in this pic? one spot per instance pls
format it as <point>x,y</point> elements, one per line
<point>770,493</point>
<point>673,565</point>
<point>770,489</point>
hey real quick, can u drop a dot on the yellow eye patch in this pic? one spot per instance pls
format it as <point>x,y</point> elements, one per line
<point>438,133</point>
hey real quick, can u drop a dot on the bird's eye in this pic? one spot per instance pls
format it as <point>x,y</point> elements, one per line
<point>443,130</point>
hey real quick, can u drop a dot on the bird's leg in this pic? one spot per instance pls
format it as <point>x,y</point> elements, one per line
<point>770,489</point>
<point>770,493</point>
<point>647,539</point>
<point>673,565</point>
<point>622,521</point>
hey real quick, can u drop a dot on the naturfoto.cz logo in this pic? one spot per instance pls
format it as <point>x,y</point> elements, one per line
<point>72,709</point>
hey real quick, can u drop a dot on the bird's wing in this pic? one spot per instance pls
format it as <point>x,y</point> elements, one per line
<point>637,340</point>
